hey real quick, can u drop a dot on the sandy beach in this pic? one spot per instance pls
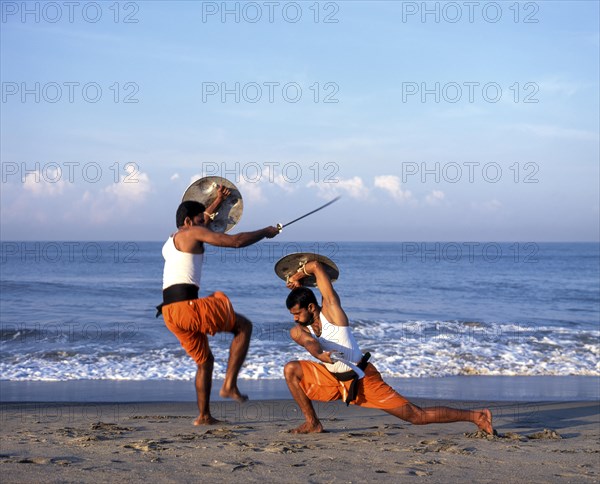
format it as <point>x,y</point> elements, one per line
<point>156,442</point>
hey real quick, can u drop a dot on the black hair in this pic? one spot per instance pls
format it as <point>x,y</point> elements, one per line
<point>302,296</point>
<point>188,209</point>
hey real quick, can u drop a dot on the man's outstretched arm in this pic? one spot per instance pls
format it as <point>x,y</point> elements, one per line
<point>243,239</point>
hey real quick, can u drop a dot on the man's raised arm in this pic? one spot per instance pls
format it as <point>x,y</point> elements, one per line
<point>222,193</point>
<point>331,301</point>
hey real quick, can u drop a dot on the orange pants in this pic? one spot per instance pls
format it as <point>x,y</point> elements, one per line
<point>192,320</point>
<point>319,384</point>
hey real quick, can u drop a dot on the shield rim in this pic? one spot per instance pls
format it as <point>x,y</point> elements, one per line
<point>226,222</point>
<point>330,267</point>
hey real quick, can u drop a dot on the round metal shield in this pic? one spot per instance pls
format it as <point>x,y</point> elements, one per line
<point>204,191</point>
<point>289,265</point>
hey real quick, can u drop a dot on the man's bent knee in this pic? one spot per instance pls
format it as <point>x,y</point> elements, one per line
<point>208,362</point>
<point>413,414</point>
<point>242,325</point>
<point>409,412</point>
<point>292,370</point>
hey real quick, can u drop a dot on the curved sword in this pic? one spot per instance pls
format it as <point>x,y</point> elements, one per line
<point>281,226</point>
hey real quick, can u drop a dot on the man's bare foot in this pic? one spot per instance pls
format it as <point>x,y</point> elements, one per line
<point>234,394</point>
<point>484,421</point>
<point>206,421</point>
<point>308,428</point>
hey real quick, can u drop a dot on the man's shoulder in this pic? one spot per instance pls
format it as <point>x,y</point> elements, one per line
<point>297,331</point>
<point>187,242</point>
<point>335,316</point>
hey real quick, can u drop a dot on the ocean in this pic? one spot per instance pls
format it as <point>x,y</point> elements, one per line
<point>86,310</point>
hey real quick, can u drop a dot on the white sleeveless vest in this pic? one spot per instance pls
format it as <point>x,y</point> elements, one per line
<point>337,338</point>
<point>180,267</point>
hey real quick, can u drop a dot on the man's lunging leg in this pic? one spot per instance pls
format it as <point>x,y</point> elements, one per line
<point>293,374</point>
<point>423,416</point>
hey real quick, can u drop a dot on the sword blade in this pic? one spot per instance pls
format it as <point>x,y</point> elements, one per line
<point>310,213</point>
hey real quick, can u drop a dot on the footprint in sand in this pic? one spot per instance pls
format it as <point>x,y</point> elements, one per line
<point>287,448</point>
<point>110,428</point>
<point>245,465</point>
<point>157,417</point>
<point>367,436</point>
<point>480,434</point>
<point>61,461</point>
<point>441,446</point>
<point>223,433</point>
<point>245,446</point>
<point>148,445</point>
<point>190,437</point>
<point>96,432</point>
<point>545,434</point>
<point>417,472</point>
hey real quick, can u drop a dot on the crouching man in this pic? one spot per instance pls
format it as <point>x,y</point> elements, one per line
<point>325,333</point>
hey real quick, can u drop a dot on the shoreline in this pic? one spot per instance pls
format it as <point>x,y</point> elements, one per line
<point>464,388</point>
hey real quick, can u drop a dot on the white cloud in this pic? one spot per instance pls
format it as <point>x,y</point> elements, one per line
<point>251,192</point>
<point>435,197</point>
<point>354,187</point>
<point>270,175</point>
<point>131,188</point>
<point>113,201</point>
<point>174,176</point>
<point>392,185</point>
<point>47,182</point>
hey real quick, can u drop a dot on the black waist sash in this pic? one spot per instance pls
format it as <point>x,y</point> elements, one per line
<point>351,375</point>
<point>177,293</point>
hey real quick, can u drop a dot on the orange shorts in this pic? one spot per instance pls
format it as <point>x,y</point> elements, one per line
<point>192,320</point>
<point>319,384</point>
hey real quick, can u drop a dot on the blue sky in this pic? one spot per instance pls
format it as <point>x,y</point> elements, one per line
<point>448,124</point>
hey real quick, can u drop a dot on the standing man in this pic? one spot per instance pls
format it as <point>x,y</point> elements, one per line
<point>324,332</point>
<point>191,318</point>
